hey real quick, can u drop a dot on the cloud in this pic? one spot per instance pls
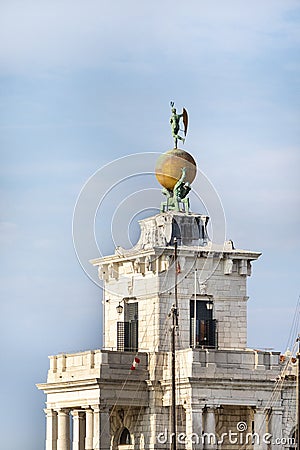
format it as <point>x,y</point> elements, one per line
<point>66,34</point>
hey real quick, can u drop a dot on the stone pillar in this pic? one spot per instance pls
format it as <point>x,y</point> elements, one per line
<point>101,432</point>
<point>210,442</point>
<point>194,427</point>
<point>63,430</point>
<point>51,429</point>
<point>275,428</point>
<point>78,430</point>
<point>260,429</point>
<point>89,429</point>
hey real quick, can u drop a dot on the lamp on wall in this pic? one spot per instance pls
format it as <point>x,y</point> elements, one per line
<point>119,308</point>
<point>209,305</point>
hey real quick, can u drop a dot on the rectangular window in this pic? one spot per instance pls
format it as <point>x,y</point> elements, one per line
<point>203,326</point>
<point>127,331</point>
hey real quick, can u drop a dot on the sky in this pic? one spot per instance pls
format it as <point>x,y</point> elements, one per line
<point>84,83</point>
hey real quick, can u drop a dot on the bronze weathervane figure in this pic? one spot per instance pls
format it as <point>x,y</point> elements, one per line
<point>175,124</point>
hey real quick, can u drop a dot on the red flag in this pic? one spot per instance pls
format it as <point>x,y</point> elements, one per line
<point>135,363</point>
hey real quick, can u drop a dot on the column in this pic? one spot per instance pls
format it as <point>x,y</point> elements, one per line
<point>194,427</point>
<point>51,429</point>
<point>101,432</point>
<point>89,429</point>
<point>78,430</point>
<point>260,429</point>
<point>210,442</point>
<point>275,428</point>
<point>63,430</point>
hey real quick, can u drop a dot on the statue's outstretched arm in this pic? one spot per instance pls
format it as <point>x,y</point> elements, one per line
<point>183,174</point>
<point>181,179</point>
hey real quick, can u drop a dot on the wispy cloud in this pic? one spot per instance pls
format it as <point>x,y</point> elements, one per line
<point>67,34</point>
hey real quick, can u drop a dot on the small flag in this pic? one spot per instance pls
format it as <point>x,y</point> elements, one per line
<point>135,363</point>
<point>178,268</point>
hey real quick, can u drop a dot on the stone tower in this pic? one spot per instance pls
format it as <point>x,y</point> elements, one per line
<point>142,280</point>
<point>119,397</point>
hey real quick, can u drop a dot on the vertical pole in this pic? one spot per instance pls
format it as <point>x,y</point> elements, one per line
<point>195,309</point>
<point>173,409</point>
<point>176,272</point>
<point>103,317</point>
<point>174,312</point>
<point>298,396</point>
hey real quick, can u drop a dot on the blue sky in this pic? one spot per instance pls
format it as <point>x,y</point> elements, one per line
<point>84,83</point>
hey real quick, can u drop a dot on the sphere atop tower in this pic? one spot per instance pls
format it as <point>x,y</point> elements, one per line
<point>169,167</point>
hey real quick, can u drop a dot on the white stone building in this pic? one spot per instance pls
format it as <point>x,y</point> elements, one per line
<point>224,390</point>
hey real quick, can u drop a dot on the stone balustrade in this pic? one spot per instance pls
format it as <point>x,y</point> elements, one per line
<point>95,364</point>
<point>233,364</point>
<point>192,363</point>
<point>241,359</point>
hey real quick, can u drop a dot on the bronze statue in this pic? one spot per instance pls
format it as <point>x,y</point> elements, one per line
<point>176,169</point>
<point>175,124</point>
<point>177,199</point>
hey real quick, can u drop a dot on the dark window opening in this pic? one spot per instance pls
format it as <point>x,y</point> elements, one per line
<point>127,331</point>
<point>203,328</point>
<point>125,438</point>
<point>292,441</point>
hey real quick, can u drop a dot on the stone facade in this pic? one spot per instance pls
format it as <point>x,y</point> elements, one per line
<point>224,390</point>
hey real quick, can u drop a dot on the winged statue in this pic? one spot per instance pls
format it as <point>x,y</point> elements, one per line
<point>175,124</point>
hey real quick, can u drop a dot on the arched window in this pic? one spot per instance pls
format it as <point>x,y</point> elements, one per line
<point>125,438</point>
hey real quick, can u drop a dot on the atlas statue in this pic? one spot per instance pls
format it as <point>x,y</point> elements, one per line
<point>177,199</point>
<point>175,124</point>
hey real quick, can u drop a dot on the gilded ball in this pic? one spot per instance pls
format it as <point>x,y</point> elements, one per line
<point>169,165</point>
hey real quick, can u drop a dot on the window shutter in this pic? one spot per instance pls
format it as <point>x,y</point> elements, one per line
<point>131,312</point>
<point>134,335</point>
<point>127,331</point>
<point>120,336</point>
